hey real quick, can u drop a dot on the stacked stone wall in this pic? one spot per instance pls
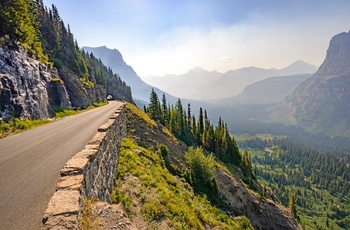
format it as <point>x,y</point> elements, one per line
<point>90,173</point>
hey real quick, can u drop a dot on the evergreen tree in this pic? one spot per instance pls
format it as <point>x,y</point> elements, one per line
<point>19,21</point>
<point>292,206</point>
<point>154,109</point>
<point>165,119</point>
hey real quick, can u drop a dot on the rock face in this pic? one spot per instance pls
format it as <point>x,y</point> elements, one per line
<point>322,103</point>
<point>28,88</point>
<point>263,213</point>
<point>337,61</point>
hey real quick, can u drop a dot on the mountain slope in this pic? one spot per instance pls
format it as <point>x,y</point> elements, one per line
<point>233,82</point>
<point>270,90</point>
<point>145,186</point>
<point>113,59</point>
<point>33,40</point>
<point>322,103</point>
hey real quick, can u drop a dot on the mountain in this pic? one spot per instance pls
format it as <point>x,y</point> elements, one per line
<point>195,84</point>
<point>205,85</point>
<point>113,58</point>
<point>233,82</point>
<point>322,102</point>
<point>270,90</point>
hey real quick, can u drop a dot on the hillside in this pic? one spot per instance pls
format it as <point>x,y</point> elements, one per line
<point>322,103</point>
<point>153,190</point>
<point>114,60</point>
<point>319,177</point>
<point>270,90</point>
<point>43,70</point>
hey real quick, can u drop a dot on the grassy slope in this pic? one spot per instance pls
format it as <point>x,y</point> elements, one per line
<point>152,196</point>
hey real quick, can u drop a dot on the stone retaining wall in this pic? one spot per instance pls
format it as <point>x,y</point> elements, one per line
<point>90,173</point>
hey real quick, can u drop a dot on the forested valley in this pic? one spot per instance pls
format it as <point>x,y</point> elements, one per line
<point>318,178</point>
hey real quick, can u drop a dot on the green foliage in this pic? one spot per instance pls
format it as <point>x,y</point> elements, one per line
<point>70,112</point>
<point>318,180</point>
<point>19,21</point>
<point>202,172</point>
<point>87,220</point>
<point>163,150</point>
<point>201,166</point>
<point>17,125</point>
<point>292,206</point>
<point>141,115</point>
<point>163,197</point>
<point>119,196</point>
<point>183,125</point>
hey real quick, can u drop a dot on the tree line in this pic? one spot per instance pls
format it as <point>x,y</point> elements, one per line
<point>198,131</point>
<point>42,32</point>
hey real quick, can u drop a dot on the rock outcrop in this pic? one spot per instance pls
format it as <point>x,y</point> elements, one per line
<point>263,213</point>
<point>28,88</point>
<point>322,102</point>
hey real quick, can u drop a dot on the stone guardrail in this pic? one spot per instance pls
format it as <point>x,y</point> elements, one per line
<point>90,173</point>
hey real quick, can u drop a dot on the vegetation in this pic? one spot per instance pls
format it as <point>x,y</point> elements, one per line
<point>87,220</point>
<point>183,125</point>
<point>162,196</point>
<point>317,181</point>
<point>43,34</point>
<point>19,20</point>
<point>17,125</point>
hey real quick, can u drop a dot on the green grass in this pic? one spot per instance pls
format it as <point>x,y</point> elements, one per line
<point>87,220</point>
<point>70,112</point>
<point>143,116</point>
<point>163,197</point>
<point>17,125</point>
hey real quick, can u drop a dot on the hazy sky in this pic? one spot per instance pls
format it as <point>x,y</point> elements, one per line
<point>172,36</point>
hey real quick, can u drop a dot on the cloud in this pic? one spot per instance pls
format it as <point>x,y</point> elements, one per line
<point>226,58</point>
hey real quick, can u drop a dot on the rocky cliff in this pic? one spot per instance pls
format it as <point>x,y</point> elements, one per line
<point>322,103</point>
<point>31,89</point>
<point>28,88</point>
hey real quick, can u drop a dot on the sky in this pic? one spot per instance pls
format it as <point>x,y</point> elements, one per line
<point>158,37</point>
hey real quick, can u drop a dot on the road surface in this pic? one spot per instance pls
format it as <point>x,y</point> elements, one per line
<point>30,163</point>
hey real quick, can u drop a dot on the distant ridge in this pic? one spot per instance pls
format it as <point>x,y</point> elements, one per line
<point>114,59</point>
<point>200,84</point>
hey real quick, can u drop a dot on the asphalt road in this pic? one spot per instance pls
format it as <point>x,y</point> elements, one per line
<point>30,163</point>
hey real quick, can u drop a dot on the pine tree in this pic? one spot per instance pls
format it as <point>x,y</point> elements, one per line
<point>154,109</point>
<point>165,119</point>
<point>292,206</point>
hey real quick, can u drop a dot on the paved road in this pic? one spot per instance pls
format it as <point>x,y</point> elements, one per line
<point>30,163</point>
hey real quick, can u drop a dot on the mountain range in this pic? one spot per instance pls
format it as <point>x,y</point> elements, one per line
<point>200,84</point>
